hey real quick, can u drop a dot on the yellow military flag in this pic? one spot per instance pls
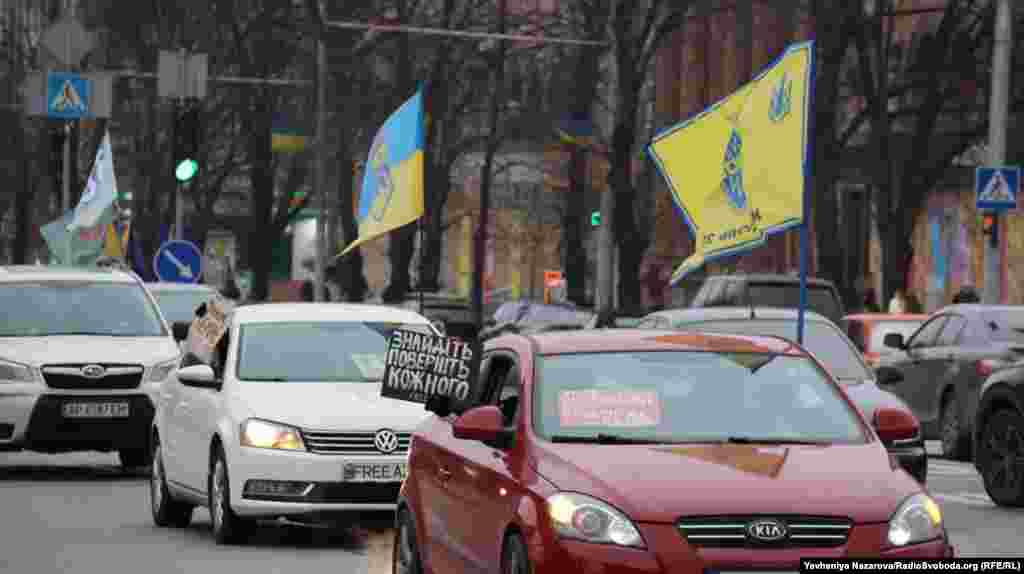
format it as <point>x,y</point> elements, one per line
<point>737,170</point>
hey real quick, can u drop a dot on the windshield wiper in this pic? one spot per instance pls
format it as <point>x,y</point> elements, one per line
<point>602,438</point>
<point>768,440</point>
<point>267,380</point>
<point>91,334</point>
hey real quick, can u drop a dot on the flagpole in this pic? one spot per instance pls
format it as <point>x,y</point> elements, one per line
<point>805,227</point>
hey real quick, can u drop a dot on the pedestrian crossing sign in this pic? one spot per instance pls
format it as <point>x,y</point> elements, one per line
<point>67,96</point>
<point>997,188</point>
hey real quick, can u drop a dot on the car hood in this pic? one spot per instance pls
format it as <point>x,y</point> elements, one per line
<point>328,406</point>
<point>79,349</point>
<point>665,482</point>
<point>869,397</point>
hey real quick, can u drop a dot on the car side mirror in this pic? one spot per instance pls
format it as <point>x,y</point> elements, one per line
<point>894,341</point>
<point>895,424</point>
<point>888,375</point>
<point>201,376</point>
<point>484,423</point>
<point>180,330</point>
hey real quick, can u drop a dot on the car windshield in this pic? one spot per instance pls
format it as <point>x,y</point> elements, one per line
<point>882,328</point>
<point>48,308</point>
<point>825,341</point>
<point>180,306</point>
<point>787,296</point>
<point>690,396</point>
<point>316,351</point>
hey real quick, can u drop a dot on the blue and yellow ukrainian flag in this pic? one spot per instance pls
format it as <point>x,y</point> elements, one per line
<point>392,192</point>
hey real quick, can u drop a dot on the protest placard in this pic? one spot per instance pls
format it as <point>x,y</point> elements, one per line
<point>420,366</point>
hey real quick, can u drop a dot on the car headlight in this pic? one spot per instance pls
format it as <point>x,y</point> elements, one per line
<point>581,517</point>
<point>157,373</point>
<point>265,434</point>
<point>918,519</point>
<point>11,372</point>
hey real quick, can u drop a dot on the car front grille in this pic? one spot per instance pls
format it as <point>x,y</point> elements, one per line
<point>731,531</point>
<point>350,443</point>
<point>113,377</point>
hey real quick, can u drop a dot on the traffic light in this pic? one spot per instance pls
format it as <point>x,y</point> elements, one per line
<point>595,218</point>
<point>990,228</point>
<point>186,142</point>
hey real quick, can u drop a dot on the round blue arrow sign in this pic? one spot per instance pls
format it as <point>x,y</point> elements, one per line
<point>178,261</point>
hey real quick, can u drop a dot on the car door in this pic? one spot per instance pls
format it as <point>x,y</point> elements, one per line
<point>441,454</point>
<point>172,394</point>
<point>947,368</point>
<point>197,430</point>
<point>916,363</point>
<point>178,413</point>
<point>472,483</point>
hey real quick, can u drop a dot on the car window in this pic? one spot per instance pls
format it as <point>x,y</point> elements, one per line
<point>690,396</point>
<point>180,306</point>
<point>928,334</point>
<point>734,294</point>
<point>882,328</point>
<point>824,340</point>
<point>653,323</point>
<point>315,351</point>
<point>820,299</point>
<point>949,337</point>
<point>49,308</point>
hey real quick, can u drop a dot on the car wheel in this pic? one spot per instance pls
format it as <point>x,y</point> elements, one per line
<point>406,553</point>
<point>514,557</point>
<point>134,458</point>
<point>166,510</point>
<point>227,527</point>
<point>954,442</point>
<point>1001,457</point>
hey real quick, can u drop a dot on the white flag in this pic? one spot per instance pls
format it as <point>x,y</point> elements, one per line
<point>100,191</point>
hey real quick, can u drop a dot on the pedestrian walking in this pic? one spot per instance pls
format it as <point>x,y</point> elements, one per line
<point>870,302</point>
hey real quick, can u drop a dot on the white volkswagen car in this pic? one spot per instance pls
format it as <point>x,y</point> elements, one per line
<point>281,416</point>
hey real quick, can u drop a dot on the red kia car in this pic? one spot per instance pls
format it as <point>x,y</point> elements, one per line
<point>631,451</point>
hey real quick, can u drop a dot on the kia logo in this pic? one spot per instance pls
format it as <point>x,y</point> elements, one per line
<point>767,530</point>
<point>386,441</point>
<point>93,371</point>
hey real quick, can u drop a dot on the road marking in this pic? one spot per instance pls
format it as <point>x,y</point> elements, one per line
<point>966,498</point>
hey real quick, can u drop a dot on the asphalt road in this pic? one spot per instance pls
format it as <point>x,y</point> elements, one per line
<point>80,514</point>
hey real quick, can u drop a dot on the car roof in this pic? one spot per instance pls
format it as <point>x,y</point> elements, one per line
<point>772,278</point>
<point>285,312</point>
<point>977,308</point>
<point>878,317</point>
<point>606,340</point>
<point>737,314</point>
<point>20,273</point>
<point>166,286</point>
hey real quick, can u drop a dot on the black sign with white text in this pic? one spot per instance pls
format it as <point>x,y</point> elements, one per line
<point>420,366</point>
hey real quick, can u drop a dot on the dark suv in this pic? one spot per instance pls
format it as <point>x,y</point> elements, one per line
<point>769,290</point>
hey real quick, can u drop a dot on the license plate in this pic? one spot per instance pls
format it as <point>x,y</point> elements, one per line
<point>375,472</point>
<point>95,410</point>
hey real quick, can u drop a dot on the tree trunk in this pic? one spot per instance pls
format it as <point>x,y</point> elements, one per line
<point>261,180</point>
<point>572,223</point>
<point>348,270</point>
<point>437,192</point>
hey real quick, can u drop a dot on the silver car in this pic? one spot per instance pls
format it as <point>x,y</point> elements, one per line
<point>83,353</point>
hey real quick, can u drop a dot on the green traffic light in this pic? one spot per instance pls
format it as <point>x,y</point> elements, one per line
<point>186,169</point>
<point>595,218</point>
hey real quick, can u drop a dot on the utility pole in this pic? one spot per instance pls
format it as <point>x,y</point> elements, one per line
<point>323,218</point>
<point>179,187</point>
<point>998,115</point>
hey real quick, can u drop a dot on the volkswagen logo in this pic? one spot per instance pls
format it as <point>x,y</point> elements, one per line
<point>93,371</point>
<point>386,441</point>
<point>767,530</point>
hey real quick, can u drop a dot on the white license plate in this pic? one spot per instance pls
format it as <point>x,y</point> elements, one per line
<point>375,472</point>
<point>95,410</point>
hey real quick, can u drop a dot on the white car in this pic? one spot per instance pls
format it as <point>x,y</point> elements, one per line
<point>283,418</point>
<point>83,353</point>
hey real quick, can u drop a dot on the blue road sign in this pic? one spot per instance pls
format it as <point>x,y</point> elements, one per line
<point>178,262</point>
<point>996,188</point>
<point>67,96</point>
